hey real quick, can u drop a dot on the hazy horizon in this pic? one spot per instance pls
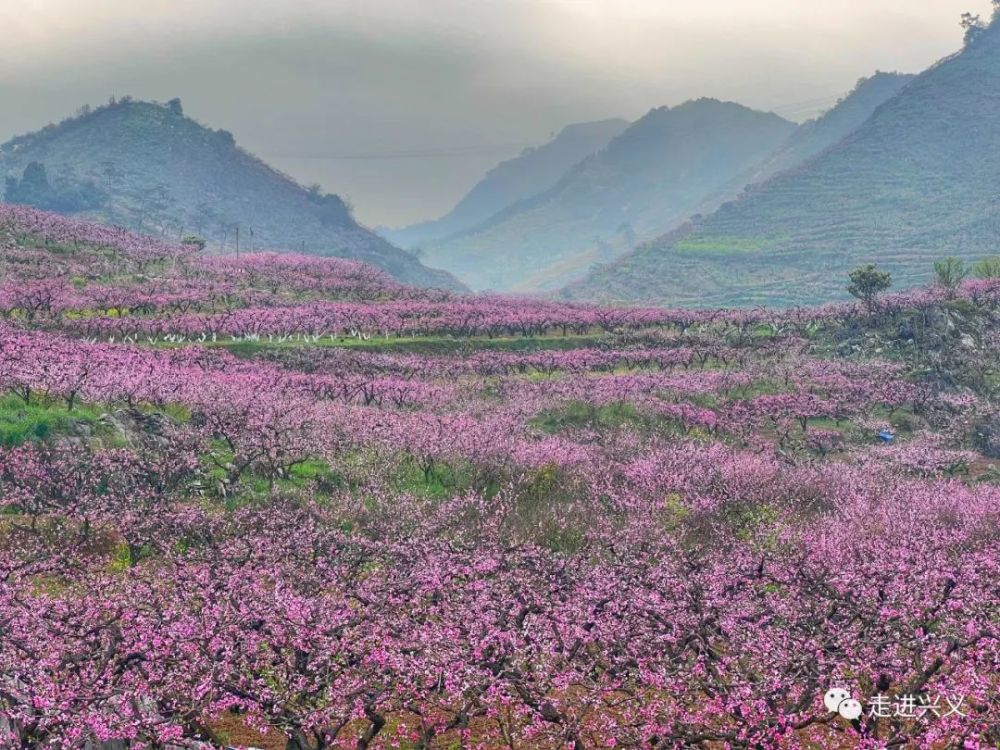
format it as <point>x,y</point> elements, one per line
<point>401,106</point>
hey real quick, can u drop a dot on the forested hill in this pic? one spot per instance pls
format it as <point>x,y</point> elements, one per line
<point>147,167</point>
<point>532,172</point>
<point>917,181</point>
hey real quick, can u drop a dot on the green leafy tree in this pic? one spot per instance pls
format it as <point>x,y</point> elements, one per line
<point>973,27</point>
<point>194,239</point>
<point>67,195</point>
<point>987,268</point>
<point>950,272</point>
<point>33,189</point>
<point>866,283</point>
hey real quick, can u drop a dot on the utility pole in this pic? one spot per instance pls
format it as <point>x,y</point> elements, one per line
<point>237,241</point>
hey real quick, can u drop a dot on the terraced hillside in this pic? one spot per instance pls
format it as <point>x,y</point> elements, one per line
<point>533,172</point>
<point>643,183</point>
<point>819,134</point>
<point>916,182</point>
<point>146,166</point>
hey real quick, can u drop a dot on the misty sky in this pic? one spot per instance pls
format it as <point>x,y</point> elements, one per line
<point>400,105</point>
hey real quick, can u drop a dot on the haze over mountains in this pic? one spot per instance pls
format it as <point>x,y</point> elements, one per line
<point>649,177</point>
<point>147,167</point>
<point>673,163</point>
<point>531,173</point>
<point>917,181</point>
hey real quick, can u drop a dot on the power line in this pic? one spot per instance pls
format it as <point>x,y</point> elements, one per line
<point>429,153</point>
<point>817,105</point>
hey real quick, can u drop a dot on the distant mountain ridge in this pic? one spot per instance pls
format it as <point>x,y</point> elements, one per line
<point>644,182</point>
<point>147,167</point>
<point>532,172</point>
<point>917,181</point>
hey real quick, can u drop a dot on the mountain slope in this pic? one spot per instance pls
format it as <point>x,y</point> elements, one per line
<point>825,131</point>
<point>148,167</point>
<point>814,136</point>
<point>642,184</point>
<point>917,181</point>
<point>533,172</point>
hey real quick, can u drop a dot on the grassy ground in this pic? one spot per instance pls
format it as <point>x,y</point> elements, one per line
<point>39,419</point>
<point>423,344</point>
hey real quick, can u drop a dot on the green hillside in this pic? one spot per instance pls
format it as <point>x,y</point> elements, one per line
<point>819,134</point>
<point>148,167</point>
<point>532,172</point>
<point>647,179</point>
<point>920,179</point>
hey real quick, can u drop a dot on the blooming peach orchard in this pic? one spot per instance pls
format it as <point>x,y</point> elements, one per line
<point>284,502</point>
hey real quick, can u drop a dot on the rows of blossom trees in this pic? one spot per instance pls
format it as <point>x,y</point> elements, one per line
<point>74,281</point>
<point>623,528</point>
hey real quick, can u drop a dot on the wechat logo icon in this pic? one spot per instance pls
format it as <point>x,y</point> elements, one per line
<point>839,700</point>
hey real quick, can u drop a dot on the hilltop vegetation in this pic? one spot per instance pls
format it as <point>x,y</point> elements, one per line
<point>644,182</point>
<point>147,167</point>
<point>530,174</point>
<point>225,523</point>
<point>917,181</point>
